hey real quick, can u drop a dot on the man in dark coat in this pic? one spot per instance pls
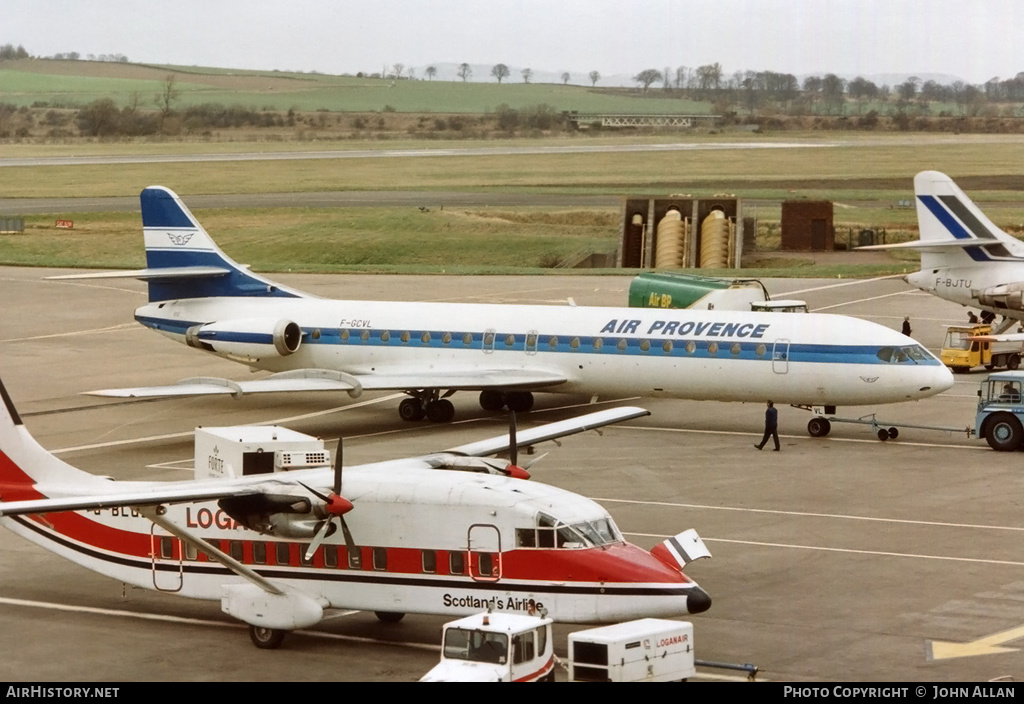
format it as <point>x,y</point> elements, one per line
<point>906,326</point>
<point>771,426</point>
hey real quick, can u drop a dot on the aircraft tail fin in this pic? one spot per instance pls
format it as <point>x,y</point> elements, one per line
<point>953,229</point>
<point>26,467</point>
<point>183,261</point>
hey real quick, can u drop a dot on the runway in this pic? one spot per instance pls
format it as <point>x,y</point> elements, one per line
<point>837,559</point>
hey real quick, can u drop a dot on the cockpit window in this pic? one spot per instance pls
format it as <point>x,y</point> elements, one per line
<point>913,354</point>
<point>552,533</point>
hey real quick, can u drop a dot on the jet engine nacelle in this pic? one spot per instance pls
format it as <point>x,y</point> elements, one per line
<point>1008,296</point>
<point>250,338</point>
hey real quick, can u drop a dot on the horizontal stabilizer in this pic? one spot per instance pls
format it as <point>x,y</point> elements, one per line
<point>311,380</point>
<point>938,245</point>
<point>181,272</point>
<point>551,431</point>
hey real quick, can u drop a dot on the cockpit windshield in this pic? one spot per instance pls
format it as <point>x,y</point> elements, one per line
<point>553,533</point>
<point>911,354</point>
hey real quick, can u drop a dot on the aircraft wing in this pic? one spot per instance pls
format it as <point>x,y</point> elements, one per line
<point>184,492</point>
<point>937,245</point>
<point>310,380</point>
<point>551,431</point>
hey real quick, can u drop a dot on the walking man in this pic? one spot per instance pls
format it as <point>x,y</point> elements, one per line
<point>771,426</point>
<point>906,326</point>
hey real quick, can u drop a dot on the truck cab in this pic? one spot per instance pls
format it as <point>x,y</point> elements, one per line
<point>1000,411</point>
<point>965,348</point>
<point>496,647</point>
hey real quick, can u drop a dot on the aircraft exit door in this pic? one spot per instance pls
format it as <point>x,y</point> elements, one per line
<point>780,356</point>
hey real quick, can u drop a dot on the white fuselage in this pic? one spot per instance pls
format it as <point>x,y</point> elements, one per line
<point>429,541</point>
<point>809,359</point>
<point>963,284</point>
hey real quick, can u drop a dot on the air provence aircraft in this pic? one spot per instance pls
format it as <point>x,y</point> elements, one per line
<point>202,298</point>
<point>965,258</point>
<point>450,533</point>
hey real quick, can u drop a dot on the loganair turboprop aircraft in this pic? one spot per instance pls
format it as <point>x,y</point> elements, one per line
<point>448,533</point>
<point>965,258</point>
<point>200,297</point>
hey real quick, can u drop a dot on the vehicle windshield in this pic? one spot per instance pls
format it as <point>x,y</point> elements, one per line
<point>477,646</point>
<point>957,340</point>
<point>1004,391</point>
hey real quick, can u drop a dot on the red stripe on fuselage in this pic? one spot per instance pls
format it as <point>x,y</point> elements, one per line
<point>15,485</point>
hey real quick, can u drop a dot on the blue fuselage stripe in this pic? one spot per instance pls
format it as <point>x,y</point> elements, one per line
<point>779,352</point>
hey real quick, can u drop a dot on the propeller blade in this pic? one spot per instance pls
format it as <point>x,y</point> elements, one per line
<point>337,465</point>
<point>314,492</point>
<point>325,530</point>
<point>535,460</point>
<point>513,449</point>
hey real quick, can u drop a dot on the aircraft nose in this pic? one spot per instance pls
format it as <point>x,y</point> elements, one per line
<point>697,601</point>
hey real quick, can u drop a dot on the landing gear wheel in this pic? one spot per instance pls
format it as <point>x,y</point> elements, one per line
<point>266,638</point>
<point>491,400</point>
<point>440,411</point>
<point>883,434</point>
<point>818,427</point>
<point>389,616</point>
<point>411,409</point>
<point>519,401</point>
<point>1004,432</point>
<point>893,433</point>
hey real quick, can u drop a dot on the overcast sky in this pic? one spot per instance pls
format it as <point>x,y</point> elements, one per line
<point>974,40</point>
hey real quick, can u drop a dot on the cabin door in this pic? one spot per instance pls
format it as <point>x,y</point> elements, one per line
<point>488,341</point>
<point>780,356</point>
<point>165,552</point>
<point>484,552</point>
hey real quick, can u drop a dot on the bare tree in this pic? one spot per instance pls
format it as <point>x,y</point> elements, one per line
<point>565,78</point>
<point>167,97</point>
<point>500,71</point>
<point>465,72</point>
<point>527,74</point>
<point>431,71</point>
<point>594,78</point>
<point>397,70</point>
<point>646,77</point>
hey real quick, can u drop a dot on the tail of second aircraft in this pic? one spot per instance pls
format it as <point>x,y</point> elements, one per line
<point>954,231</point>
<point>183,261</point>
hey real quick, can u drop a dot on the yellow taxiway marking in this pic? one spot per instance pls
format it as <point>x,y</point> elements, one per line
<point>989,645</point>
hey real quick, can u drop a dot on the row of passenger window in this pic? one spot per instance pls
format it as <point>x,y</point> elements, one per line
<point>489,341</point>
<point>333,556</point>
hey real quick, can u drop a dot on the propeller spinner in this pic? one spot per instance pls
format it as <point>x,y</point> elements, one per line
<point>336,506</point>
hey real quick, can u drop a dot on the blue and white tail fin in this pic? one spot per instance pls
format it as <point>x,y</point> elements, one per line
<point>183,261</point>
<point>954,231</point>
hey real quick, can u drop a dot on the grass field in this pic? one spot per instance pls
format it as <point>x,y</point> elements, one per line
<point>75,83</point>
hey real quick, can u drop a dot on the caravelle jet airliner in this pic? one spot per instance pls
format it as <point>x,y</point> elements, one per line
<point>965,257</point>
<point>202,298</point>
<point>450,533</point>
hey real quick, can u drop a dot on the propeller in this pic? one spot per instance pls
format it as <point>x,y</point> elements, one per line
<point>336,506</point>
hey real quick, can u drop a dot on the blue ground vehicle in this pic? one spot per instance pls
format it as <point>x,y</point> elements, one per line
<point>1001,410</point>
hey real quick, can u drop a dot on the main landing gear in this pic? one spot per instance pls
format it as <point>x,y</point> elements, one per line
<point>426,404</point>
<point>266,638</point>
<point>518,401</point>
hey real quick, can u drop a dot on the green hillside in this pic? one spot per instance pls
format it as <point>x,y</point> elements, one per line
<point>31,82</point>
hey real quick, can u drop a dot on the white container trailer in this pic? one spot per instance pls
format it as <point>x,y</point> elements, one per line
<point>236,451</point>
<point>645,650</point>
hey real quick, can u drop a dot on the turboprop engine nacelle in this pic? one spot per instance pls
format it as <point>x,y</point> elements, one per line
<point>1009,296</point>
<point>251,338</point>
<point>283,516</point>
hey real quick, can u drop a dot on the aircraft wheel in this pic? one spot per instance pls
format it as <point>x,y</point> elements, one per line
<point>894,433</point>
<point>411,409</point>
<point>1003,432</point>
<point>883,434</point>
<point>440,411</point>
<point>491,400</point>
<point>818,427</point>
<point>519,401</point>
<point>266,638</point>
<point>389,616</point>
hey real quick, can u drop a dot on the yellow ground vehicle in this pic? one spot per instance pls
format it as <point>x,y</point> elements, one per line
<point>962,350</point>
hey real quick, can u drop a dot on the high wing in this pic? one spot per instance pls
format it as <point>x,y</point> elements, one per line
<point>311,380</point>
